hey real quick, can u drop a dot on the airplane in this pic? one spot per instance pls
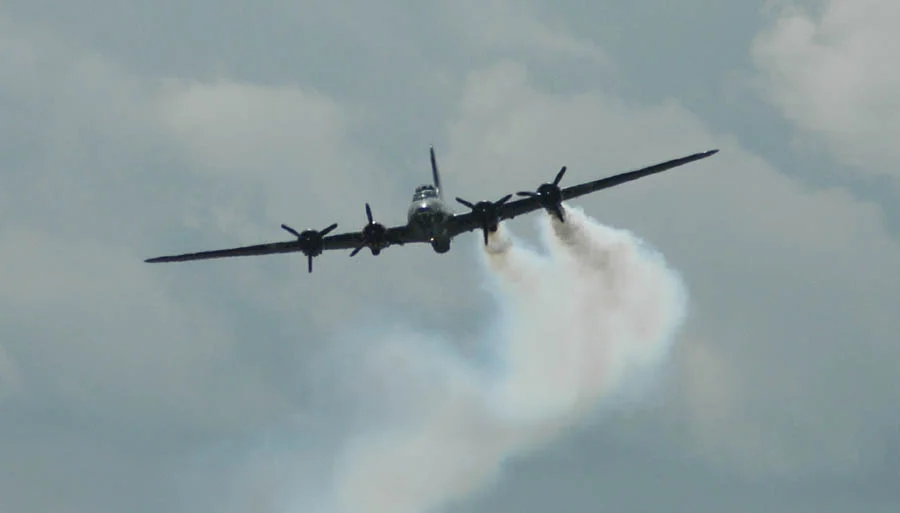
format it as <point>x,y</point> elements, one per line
<point>430,220</point>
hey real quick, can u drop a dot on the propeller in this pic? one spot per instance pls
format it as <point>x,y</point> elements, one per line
<point>374,235</point>
<point>549,195</point>
<point>487,212</point>
<point>313,241</point>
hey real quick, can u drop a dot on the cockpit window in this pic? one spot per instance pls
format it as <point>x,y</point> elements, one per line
<point>425,191</point>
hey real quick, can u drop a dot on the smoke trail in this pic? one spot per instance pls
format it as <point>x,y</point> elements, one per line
<point>605,311</point>
<point>649,295</point>
<point>574,327</point>
<point>628,294</point>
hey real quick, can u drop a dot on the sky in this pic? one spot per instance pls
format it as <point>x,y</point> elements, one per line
<point>136,130</point>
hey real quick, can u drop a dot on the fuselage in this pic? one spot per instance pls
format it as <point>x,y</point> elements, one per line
<point>427,217</point>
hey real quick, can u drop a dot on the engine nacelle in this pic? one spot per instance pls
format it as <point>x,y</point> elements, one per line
<point>440,244</point>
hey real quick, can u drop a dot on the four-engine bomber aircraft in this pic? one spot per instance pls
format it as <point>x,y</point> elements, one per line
<point>430,220</point>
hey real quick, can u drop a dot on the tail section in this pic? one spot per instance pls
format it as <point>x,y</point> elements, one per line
<point>436,175</point>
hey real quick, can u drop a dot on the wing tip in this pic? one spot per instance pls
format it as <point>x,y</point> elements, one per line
<point>169,258</point>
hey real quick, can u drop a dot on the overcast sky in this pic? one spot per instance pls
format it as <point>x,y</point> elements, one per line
<point>135,130</point>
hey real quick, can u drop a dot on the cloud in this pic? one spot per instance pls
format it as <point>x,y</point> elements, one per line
<point>118,345</point>
<point>110,167</point>
<point>278,151</point>
<point>787,365</point>
<point>828,71</point>
<point>99,349</point>
<point>9,376</point>
<point>789,329</point>
<point>255,130</point>
<point>520,28</point>
<point>103,174</point>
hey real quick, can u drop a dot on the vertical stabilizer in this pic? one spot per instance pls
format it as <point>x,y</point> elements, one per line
<point>436,175</point>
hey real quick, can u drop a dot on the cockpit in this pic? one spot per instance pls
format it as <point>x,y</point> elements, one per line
<point>427,213</point>
<point>423,192</point>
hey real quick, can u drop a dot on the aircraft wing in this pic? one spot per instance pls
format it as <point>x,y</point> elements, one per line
<point>603,183</point>
<point>348,240</point>
<point>468,221</point>
<point>528,204</point>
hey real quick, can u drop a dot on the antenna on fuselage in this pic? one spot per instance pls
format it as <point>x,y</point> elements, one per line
<point>436,175</point>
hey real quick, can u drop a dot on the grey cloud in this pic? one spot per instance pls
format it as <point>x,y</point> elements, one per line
<point>633,477</point>
<point>299,115</point>
<point>88,331</point>
<point>784,340</point>
<point>9,376</point>
<point>823,68</point>
<point>142,347</point>
<point>118,346</point>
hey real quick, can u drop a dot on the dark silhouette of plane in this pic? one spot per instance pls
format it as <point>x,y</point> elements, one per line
<point>430,220</point>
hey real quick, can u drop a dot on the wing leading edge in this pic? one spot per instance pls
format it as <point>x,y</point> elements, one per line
<point>306,243</point>
<point>342,241</point>
<point>550,195</point>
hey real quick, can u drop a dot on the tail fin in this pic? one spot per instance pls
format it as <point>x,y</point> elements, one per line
<point>436,175</point>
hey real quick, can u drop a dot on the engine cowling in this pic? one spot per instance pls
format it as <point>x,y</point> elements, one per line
<point>311,240</point>
<point>487,213</point>
<point>440,244</point>
<point>374,236</point>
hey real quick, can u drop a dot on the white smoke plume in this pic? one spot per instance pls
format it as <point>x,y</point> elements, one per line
<point>577,325</point>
